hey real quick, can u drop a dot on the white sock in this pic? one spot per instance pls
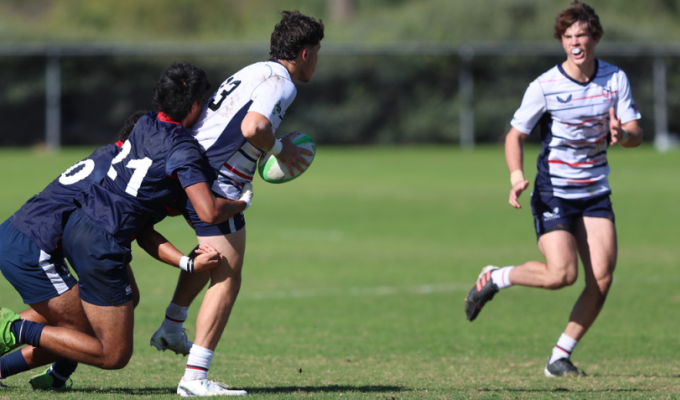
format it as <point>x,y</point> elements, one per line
<point>501,277</point>
<point>565,346</point>
<point>198,363</point>
<point>174,318</point>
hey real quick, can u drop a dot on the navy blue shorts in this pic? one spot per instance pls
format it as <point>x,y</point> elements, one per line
<point>233,224</point>
<point>554,213</point>
<point>36,275</point>
<point>99,260</point>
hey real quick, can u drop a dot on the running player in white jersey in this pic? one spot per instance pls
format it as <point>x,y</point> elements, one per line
<point>584,105</point>
<point>235,127</point>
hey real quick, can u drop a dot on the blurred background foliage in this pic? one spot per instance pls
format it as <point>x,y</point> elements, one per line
<point>352,99</point>
<point>346,20</point>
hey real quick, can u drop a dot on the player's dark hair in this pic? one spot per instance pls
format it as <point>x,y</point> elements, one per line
<point>129,124</point>
<point>178,88</point>
<point>578,12</point>
<point>294,32</point>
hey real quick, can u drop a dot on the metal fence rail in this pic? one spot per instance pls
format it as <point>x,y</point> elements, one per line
<point>467,52</point>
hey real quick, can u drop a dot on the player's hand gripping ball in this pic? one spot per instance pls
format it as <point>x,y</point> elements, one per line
<point>274,172</point>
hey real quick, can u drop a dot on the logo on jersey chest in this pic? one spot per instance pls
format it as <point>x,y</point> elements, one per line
<point>563,101</point>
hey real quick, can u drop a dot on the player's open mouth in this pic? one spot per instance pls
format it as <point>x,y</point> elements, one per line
<point>577,52</point>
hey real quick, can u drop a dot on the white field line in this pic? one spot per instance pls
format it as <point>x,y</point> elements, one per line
<point>365,291</point>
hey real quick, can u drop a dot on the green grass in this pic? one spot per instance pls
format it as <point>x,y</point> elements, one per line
<point>355,277</point>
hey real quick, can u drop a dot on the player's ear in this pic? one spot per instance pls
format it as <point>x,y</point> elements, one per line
<point>304,54</point>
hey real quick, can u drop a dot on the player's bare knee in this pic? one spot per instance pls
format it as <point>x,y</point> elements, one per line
<point>117,359</point>
<point>561,278</point>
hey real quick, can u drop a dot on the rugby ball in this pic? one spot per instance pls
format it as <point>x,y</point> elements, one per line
<point>273,172</point>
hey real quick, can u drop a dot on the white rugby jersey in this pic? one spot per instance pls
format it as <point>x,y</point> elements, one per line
<point>263,87</point>
<point>574,119</point>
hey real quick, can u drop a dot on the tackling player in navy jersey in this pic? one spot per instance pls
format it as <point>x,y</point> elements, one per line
<point>33,262</point>
<point>587,106</point>
<point>235,127</point>
<point>155,164</point>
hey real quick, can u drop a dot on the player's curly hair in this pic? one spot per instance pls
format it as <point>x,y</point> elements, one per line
<point>178,88</point>
<point>129,124</point>
<point>294,32</point>
<point>578,12</point>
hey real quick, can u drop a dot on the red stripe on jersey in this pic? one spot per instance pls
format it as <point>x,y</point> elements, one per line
<point>578,164</point>
<point>582,181</point>
<point>607,95</point>
<point>553,80</point>
<point>232,169</point>
<point>588,121</point>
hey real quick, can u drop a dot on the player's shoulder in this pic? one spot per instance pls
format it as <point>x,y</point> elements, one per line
<point>551,76</point>
<point>264,70</point>
<point>105,152</point>
<point>605,69</point>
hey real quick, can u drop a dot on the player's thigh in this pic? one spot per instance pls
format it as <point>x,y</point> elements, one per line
<point>597,246</point>
<point>232,248</point>
<point>65,311</point>
<point>112,326</point>
<point>560,251</point>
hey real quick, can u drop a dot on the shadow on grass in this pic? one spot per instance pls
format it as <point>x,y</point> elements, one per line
<point>565,390</point>
<point>128,391</point>
<point>329,389</point>
<point>281,389</point>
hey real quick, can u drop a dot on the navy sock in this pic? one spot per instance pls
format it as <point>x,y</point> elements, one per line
<point>12,364</point>
<point>61,371</point>
<point>27,332</point>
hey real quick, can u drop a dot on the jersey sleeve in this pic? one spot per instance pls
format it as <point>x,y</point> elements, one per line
<point>186,163</point>
<point>531,110</point>
<point>272,97</point>
<point>626,110</point>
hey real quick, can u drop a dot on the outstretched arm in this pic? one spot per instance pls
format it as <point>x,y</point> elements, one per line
<point>514,158</point>
<point>162,250</point>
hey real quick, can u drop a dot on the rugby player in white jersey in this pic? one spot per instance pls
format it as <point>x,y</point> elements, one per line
<point>584,105</point>
<point>237,126</point>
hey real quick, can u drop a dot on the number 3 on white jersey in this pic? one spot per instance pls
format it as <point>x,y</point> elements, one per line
<point>141,167</point>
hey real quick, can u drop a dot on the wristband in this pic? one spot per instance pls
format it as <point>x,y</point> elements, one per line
<point>625,136</point>
<point>186,264</point>
<point>276,148</point>
<point>516,176</point>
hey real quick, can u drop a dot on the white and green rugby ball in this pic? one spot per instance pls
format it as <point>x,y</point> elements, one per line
<point>273,172</point>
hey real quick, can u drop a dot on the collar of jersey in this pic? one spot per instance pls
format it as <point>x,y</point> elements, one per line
<point>592,78</point>
<point>164,118</point>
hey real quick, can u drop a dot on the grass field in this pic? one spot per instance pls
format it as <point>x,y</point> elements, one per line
<point>355,277</point>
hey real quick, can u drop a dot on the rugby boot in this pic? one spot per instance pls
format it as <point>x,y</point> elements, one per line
<point>7,339</point>
<point>562,367</point>
<point>46,381</point>
<point>177,342</point>
<point>206,388</point>
<point>483,291</point>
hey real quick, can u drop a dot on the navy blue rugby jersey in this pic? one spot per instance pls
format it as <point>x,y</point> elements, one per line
<point>44,215</point>
<point>159,159</point>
